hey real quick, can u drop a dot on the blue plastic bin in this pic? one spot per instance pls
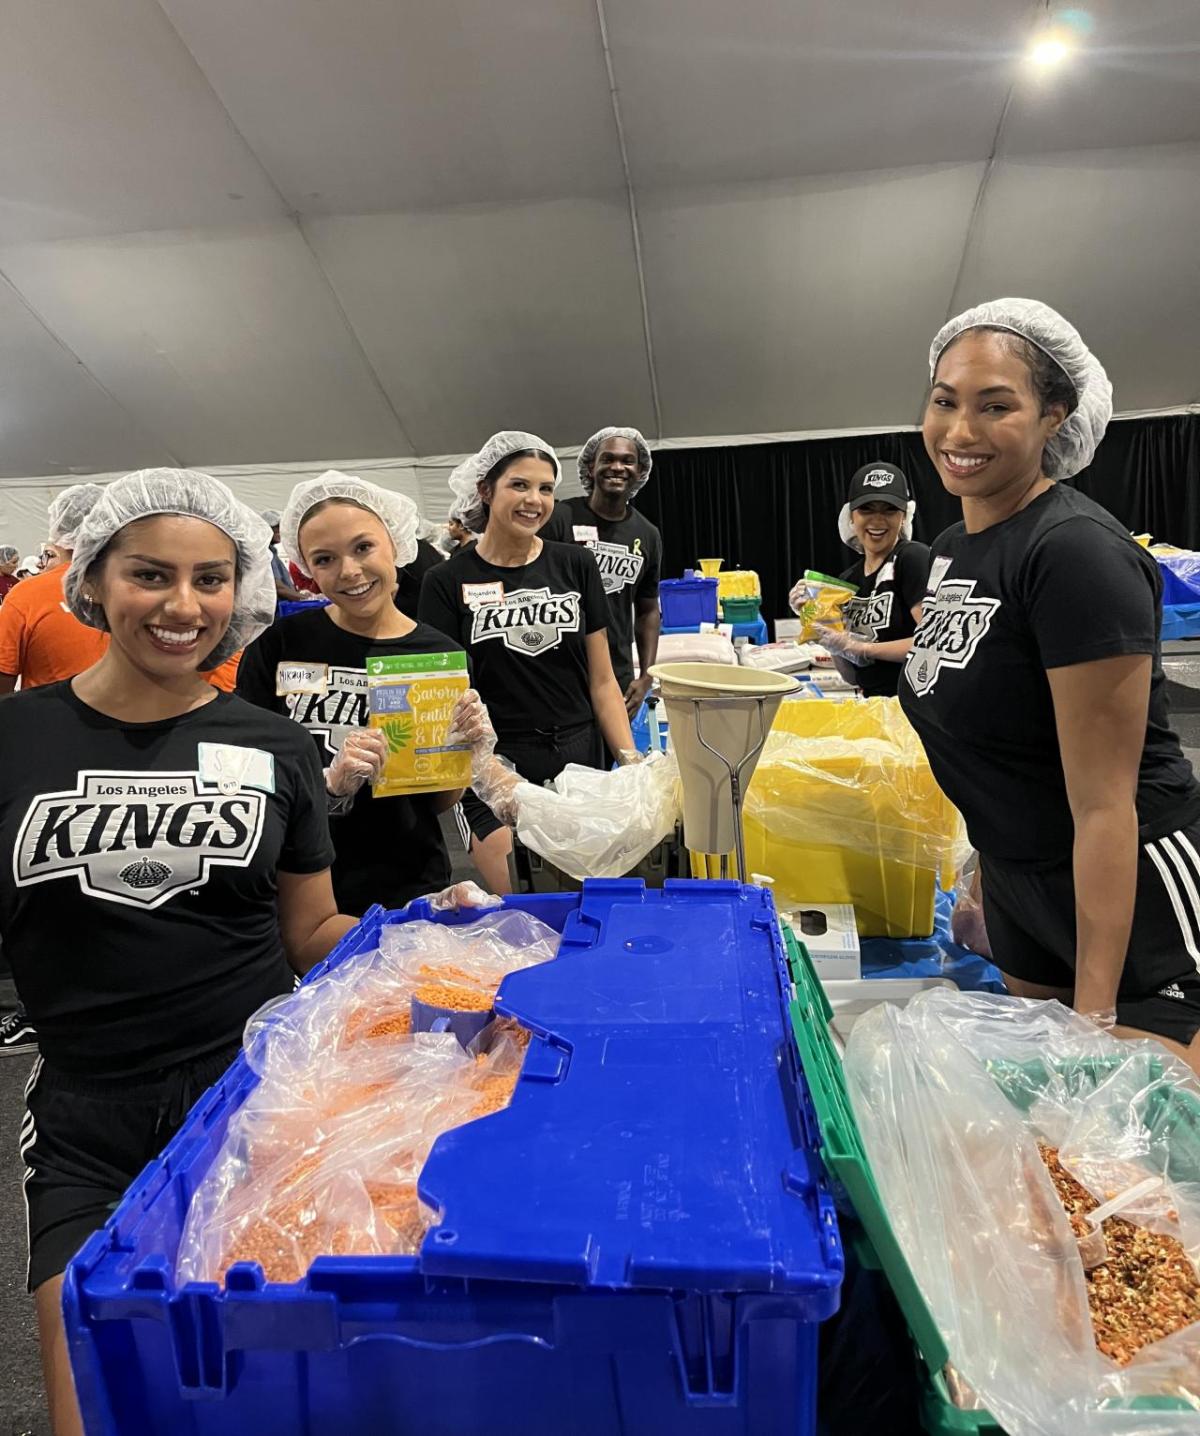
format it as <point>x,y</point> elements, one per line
<point>287,606</point>
<point>1180,620</point>
<point>642,1244</point>
<point>687,602</point>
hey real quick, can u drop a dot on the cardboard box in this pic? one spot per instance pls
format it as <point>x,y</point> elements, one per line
<point>831,936</point>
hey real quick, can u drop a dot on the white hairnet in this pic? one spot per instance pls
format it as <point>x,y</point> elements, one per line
<point>29,564</point>
<point>587,454</point>
<point>8,554</point>
<point>270,516</point>
<point>397,513</point>
<point>195,495</point>
<point>466,478</point>
<point>851,539</point>
<point>69,509</point>
<point>1072,448</point>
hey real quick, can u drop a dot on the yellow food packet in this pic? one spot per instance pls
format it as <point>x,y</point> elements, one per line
<point>410,697</point>
<point>825,604</point>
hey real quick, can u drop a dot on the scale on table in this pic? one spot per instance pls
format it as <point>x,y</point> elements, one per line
<point>719,718</point>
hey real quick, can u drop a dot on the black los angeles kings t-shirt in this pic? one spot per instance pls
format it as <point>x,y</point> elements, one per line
<point>389,850</point>
<point>526,631</point>
<point>1057,584</point>
<point>628,554</point>
<point>881,610</point>
<point>138,881</point>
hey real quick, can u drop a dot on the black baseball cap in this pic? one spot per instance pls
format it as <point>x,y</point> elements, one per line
<point>878,484</point>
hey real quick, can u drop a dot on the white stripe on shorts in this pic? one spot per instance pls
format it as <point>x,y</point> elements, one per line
<point>1163,857</point>
<point>25,1145</point>
<point>464,828</point>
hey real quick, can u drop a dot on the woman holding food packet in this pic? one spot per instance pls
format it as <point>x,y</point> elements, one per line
<point>880,598</point>
<point>167,856</point>
<point>531,614</point>
<point>1036,685</point>
<point>328,667</point>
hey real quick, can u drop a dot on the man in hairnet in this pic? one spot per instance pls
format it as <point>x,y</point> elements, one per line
<point>285,590</point>
<point>614,465</point>
<point>41,641</point>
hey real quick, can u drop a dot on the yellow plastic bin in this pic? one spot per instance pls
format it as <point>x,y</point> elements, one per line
<point>843,808</point>
<point>739,583</point>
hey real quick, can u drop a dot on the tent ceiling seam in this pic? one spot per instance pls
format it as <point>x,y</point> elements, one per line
<point>635,227</point>
<point>293,215</point>
<point>95,379</point>
<point>980,193</point>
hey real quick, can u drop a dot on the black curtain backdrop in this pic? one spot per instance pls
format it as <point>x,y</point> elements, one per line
<point>774,507</point>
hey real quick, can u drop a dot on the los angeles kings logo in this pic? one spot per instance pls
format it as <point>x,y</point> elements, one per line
<point>137,839</point>
<point>952,626</point>
<point>619,567</point>
<point>870,615</point>
<point>531,620</point>
<point>333,715</point>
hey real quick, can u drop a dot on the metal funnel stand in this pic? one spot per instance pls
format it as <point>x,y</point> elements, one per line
<point>719,717</point>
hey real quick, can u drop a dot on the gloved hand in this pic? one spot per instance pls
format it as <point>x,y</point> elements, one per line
<point>460,895</point>
<point>471,724</point>
<point>496,781</point>
<point>359,760</point>
<point>845,645</point>
<point>800,594</point>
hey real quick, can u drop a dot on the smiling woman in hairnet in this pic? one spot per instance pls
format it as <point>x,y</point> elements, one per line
<point>1036,685</point>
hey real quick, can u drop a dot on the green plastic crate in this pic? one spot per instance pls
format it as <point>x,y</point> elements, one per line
<point>845,1157</point>
<point>739,610</point>
<point>1168,1111</point>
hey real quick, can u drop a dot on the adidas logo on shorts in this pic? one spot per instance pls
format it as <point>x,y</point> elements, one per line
<point>1172,989</point>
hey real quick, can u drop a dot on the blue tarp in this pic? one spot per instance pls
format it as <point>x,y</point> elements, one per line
<point>935,956</point>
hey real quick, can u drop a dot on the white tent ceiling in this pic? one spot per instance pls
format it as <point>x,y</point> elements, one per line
<point>296,230</point>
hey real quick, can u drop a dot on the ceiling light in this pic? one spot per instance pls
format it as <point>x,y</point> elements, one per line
<point>1049,49</point>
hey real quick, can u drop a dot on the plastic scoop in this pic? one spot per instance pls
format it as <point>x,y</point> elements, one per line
<point>1093,1248</point>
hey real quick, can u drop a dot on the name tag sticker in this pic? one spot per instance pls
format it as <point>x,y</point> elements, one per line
<point>937,571</point>
<point>232,767</point>
<point>476,595</point>
<point>586,533</point>
<point>301,678</point>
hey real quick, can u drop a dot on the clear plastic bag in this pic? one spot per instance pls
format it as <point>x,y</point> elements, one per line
<point>593,824</point>
<point>953,1095</point>
<point>855,775</point>
<point>324,1155</point>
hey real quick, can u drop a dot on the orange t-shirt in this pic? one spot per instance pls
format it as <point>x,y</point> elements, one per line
<point>40,638</point>
<point>224,676</point>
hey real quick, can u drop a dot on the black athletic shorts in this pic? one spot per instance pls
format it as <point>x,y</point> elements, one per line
<point>83,1141</point>
<point>1030,916</point>
<point>539,756</point>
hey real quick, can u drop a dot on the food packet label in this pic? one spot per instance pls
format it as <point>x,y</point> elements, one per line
<point>824,605</point>
<point>410,698</point>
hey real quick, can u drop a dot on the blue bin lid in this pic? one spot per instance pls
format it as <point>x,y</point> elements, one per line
<point>657,1118</point>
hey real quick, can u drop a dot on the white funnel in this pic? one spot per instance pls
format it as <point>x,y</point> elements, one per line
<point>732,709</point>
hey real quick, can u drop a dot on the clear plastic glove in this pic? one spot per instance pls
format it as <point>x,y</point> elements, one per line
<point>1105,1019</point>
<point>967,925</point>
<point>799,595</point>
<point>470,723</point>
<point>360,760</point>
<point>461,895</point>
<point>496,781</point>
<point>630,757</point>
<point>844,645</point>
